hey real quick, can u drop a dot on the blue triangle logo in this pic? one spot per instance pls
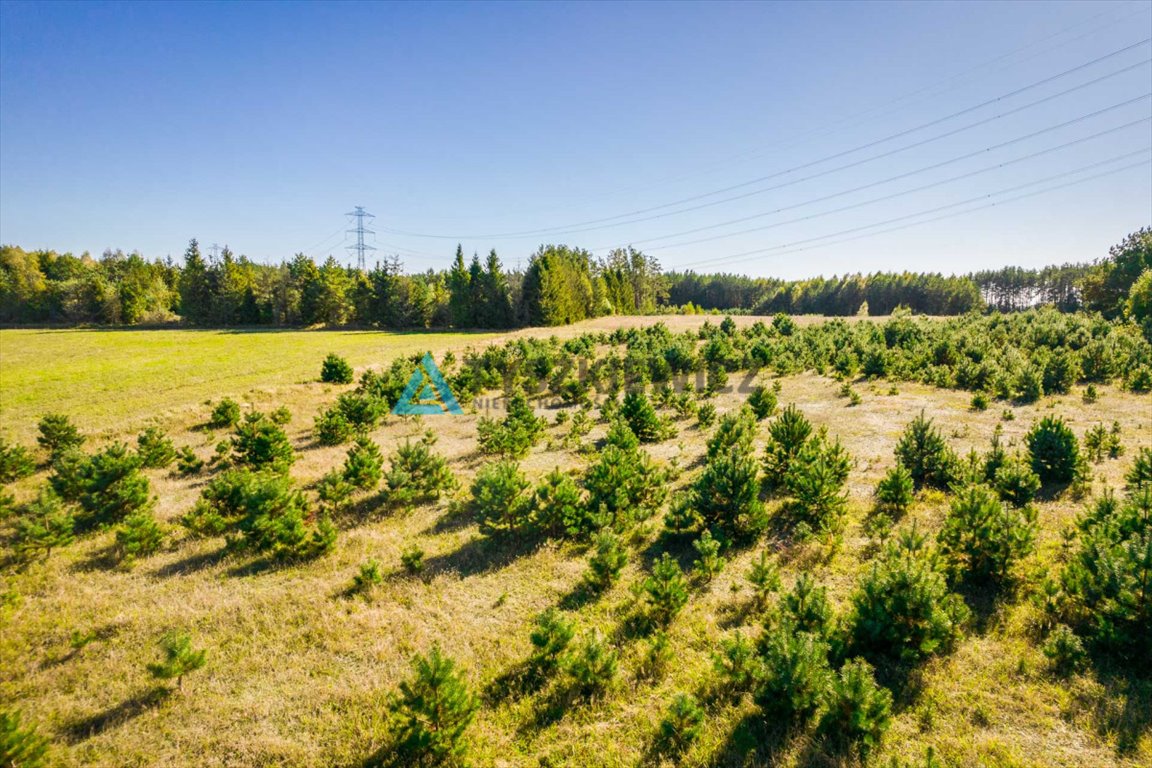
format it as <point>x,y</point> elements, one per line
<point>427,393</point>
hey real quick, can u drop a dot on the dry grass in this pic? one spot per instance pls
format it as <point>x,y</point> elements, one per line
<point>298,672</point>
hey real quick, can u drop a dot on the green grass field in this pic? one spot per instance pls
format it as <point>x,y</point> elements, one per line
<point>298,672</point>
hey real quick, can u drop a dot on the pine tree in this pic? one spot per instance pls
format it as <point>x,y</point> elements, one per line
<point>642,418</point>
<point>335,370</point>
<point>796,675</point>
<point>683,722</point>
<point>624,486</point>
<point>857,709</point>
<point>498,498</point>
<point>807,608</point>
<point>154,448</point>
<point>895,491</point>
<point>736,430</point>
<point>58,435</point>
<point>764,577</point>
<point>1015,482</point>
<point>432,711</point>
<point>1054,450</point>
<point>666,590</point>
<point>363,467</point>
<point>15,462</point>
<point>550,638</point>
<point>417,474</point>
<point>559,509</point>
<point>459,300</point>
<point>727,494</point>
<point>594,664</point>
<point>180,658</point>
<point>44,524</point>
<point>138,536</point>
<point>926,455</point>
<point>787,435</point>
<point>112,487</point>
<point>762,401</point>
<point>815,482</point>
<point>225,415</point>
<point>20,745</point>
<point>261,444</point>
<point>709,562</point>
<point>608,560</point>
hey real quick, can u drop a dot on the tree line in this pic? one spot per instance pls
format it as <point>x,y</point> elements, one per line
<point>560,285</point>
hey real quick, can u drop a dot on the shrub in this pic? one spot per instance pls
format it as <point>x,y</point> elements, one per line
<point>417,474</point>
<point>432,711</point>
<point>44,525</point>
<point>902,608</point>
<point>981,538</point>
<point>682,723</point>
<point>550,638</point>
<point>787,435</point>
<point>498,498</point>
<point>180,658</point>
<point>1029,385</point>
<point>20,745</point>
<point>764,577</point>
<point>369,575</point>
<point>515,435</point>
<point>594,664</point>
<point>666,590</point>
<point>362,468</point>
<point>656,657</point>
<point>608,559</point>
<point>155,449</point>
<point>332,427</point>
<point>260,444</point>
<point>225,415</point>
<point>926,455</point>
<point>857,709</point>
<point>58,435</point>
<point>980,401</point>
<point>1064,650</point>
<point>138,536</point>
<point>762,401</point>
<point>1054,450</point>
<point>641,416</point>
<point>281,416</point>
<point>1015,482</point>
<point>187,463</point>
<point>558,507</point>
<point>709,563</point>
<point>335,370</point>
<point>796,675</point>
<point>895,491</point>
<point>412,560</point>
<point>15,462</point>
<point>1090,394</point>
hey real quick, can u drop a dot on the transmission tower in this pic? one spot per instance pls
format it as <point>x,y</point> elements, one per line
<point>360,246</point>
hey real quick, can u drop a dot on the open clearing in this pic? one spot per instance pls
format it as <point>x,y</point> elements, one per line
<point>298,673</point>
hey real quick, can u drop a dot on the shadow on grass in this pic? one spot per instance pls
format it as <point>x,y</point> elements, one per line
<point>103,559</point>
<point>457,517</point>
<point>193,563</point>
<point>522,679</point>
<point>755,741</point>
<point>1124,710</point>
<point>481,554</point>
<point>579,596</point>
<point>100,634</point>
<point>130,708</point>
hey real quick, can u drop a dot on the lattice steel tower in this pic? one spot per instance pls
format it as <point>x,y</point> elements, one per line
<point>360,246</point>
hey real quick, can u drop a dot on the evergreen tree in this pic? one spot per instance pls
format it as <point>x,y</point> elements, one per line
<point>666,590</point>
<point>683,722</point>
<point>498,498</point>
<point>857,710</point>
<point>336,370</point>
<point>363,466</point>
<point>787,435</point>
<point>608,559</point>
<point>796,675</point>
<point>180,658</point>
<point>58,435</point>
<point>417,473</point>
<point>550,638</point>
<point>155,449</point>
<point>20,745</point>
<point>138,536</point>
<point>736,430</point>
<point>196,286</point>
<point>895,491</point>
<point>44,524</point>
<point>15,462</point>
<point>926,455</point>
<point>594,664</point>
<point>225,415</point>
<point>559,509</point>
<point>762,401</point>
<point>261,444</point>
<point>727,494</point>
<point>1054,450</point>
<point>432,711</point>
<point>642,418</point>
<point>460,306</point>
<point>112,487</point>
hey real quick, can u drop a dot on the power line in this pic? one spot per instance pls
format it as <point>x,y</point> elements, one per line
<point>897,177</point>
<point>743,255</point>
<point>570,229</point>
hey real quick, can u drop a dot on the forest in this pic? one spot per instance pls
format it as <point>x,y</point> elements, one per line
<point>560,285</point>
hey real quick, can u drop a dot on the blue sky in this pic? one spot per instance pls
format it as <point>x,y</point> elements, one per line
<point>139,126</point>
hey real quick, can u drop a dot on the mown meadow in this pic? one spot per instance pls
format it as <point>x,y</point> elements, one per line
<point>763,541</point>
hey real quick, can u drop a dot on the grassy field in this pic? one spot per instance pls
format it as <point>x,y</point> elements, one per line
<point>298,673</point>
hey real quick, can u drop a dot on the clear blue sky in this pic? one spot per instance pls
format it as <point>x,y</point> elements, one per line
<point>141,125</point>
